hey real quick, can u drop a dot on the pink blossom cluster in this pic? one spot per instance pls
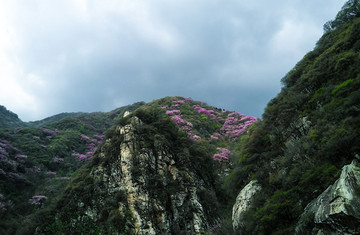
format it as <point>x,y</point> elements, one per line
<point>236,124</point>
<point>99,137</point>
<point>223,155</point>
<point>173,112</point>
<point>206,112</point>
<point>195,137</point>
<point>90,147</point>
<point>37,199</point>
<point>179,101</point>
<point>216,136</point>
<point>7,145</point>
<point>182,124</point>
<point>80,156</point>
<point>84,137</point>
<point>163,107</point>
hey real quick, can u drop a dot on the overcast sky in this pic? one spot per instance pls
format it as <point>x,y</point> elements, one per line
<point>97,55</point>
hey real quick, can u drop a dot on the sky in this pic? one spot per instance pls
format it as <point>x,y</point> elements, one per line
<point>92,55</point>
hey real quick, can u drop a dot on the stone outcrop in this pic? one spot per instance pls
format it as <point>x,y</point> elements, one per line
<point>242,204</point>
<point>158,195</point>
<point>337,209</point>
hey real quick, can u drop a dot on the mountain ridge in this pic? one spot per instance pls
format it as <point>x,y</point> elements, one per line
<point>179,166</point>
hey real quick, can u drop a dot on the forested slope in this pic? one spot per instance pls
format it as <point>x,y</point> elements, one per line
<point>309,131</point>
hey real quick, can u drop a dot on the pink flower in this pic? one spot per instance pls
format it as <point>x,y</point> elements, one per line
<point>173,112</point>
<point>223,155</point>
<point>21,156</point>
<point>195,137</point>
<point>84,137</point>
<point>215,136</point>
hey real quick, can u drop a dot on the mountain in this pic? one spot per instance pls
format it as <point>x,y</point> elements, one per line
<point>167,158</point>
<point>179,166</point>
<point>9,119</point>
<point>38,159</point>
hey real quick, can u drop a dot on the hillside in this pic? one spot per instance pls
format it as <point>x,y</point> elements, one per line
<point>307,134</point>
<point>38,159</point>
<point>180,166</point>
<point>60,147</point>
<point>9,119</point>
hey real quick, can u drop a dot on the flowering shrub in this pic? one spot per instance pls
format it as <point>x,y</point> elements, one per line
<point>206,112</point>
<point>223,155</point>
<point>173,112</point>
<point>195,137</point>
<point>182,124</point>
<point>215,136</point>
<point>84,137</point>
<point>179,101</point>
<point>99,137</point>
<point>235,124</point>
<point>80,156</point>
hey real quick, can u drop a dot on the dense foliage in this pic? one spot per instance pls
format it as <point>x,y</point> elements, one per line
<point>9,119</point>
<point>308,132</point>
<point>36,163</point>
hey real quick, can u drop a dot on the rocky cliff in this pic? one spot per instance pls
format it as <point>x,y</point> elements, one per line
<point>140,182</point>
<point>337,209</point>
<point>242,204</point>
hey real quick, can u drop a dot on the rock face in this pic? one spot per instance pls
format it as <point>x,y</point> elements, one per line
<point>155,193</point>
<point>243,202</point>
<point>337,209</point>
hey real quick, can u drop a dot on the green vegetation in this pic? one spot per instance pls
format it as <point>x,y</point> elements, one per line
<point>308,132</point>
<point>37,159</point>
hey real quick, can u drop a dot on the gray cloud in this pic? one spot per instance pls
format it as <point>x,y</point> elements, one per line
<point>98,55</point>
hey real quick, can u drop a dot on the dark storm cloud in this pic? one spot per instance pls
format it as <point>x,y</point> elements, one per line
<point>99,55</point>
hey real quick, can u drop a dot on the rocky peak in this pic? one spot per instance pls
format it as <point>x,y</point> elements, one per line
<point>153,189</point>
